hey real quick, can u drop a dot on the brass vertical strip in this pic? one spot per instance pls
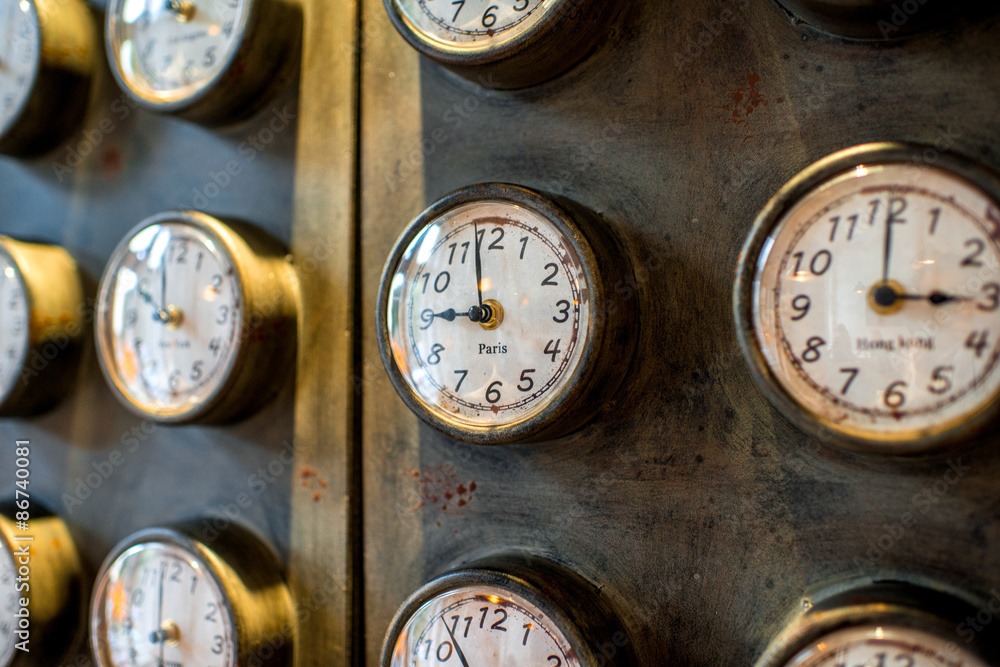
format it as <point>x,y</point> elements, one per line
<point>392,179</point>
<point>325,515</point>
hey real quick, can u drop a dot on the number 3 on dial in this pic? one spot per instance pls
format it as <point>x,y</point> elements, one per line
<point>869,298</point>
<point>493,316</point>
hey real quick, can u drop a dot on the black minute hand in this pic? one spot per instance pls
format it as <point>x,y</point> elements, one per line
<point>479,266</point>
<point>454,641</point>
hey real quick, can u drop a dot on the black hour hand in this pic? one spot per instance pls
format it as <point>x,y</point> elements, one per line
<point>427,316</point>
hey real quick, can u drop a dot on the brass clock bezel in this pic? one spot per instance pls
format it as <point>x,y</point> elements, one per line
<point>56,329</point>
<point>263,60</point>
<point>58,594</point>
<point>247,573</point>
<point>265,337</point>
<point>814,176</point>
<point>932,610</point>
<point>611,332</point>
<point>60,88</point>
<point>571,603</point>
<point>567,34</point>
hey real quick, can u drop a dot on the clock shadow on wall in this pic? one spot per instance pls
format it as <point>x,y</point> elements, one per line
<point>107,471</point>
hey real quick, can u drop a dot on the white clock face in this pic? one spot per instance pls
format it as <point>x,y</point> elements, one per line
<point>481,626</point>
<point>157,605</point>
<point>168,51</point>
<point>474,24</point>
<point>497,344</point>
<point>876,302</point>
<point>20,50</point>
<point>14,318</point>
<point>170,318</point>
<point>884,647</point>
<point>9,604</point>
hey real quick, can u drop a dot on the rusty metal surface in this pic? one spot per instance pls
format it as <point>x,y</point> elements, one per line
<point>703,514</point>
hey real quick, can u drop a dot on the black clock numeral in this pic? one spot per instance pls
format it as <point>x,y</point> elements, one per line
<point>552,348</point>
<point>454,247</point>
<point>801,304</point>
<point>461,4</point>
<point>993,294</point>
<point>209,57</point>
<point>812,354</point>
<point>973,259</point>
<point>446,655</point>
<point>223,314</point>
<point>435,356</point>
<point>495,245</point>
<point>498,625</point>
<point>464,374</point>
<point>835,221</point>
<point>894,397</point>
<point>935,218</point>
<point>819,264</point>
<point>526,377</point>
<point>522,7</point>
<point>940,382</point>
<point>493,392</point>
<point>439,285</point>
<point>490,16</point>
<point>563,307</point>
<point>217,646</point>
<point>853,372</point>
<point>978,341</point>
<point>524,245</point>
<point>213,609</point>
<point>548,282</point>
<point>196,370</point>
<point>215,345</point>
<point>526,626</point>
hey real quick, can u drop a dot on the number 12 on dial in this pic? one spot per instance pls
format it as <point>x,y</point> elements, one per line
<point>493,316</point>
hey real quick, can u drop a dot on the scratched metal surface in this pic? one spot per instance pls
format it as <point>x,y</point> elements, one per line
<point>107,472</point>
<point>703,514</point>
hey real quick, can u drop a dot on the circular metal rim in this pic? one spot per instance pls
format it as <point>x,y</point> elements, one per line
<point>15,118</point>
<point>784,200</point>
<point>562,220</point>
<point>23,281</point>
<point>207,89</point>
<point>490,578</point>
<point>219,232</point>
<point>798,636</point>
<point>170,537</point>
<point>483,55</point>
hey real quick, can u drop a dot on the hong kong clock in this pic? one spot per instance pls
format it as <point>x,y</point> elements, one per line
<point>504,43</point>
<point>210,61</point>
<point>196,318</point>
<point>884,624</point>
<point>868,298</point>
<point>496,320</point>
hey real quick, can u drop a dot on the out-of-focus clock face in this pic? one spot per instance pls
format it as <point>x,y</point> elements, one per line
<point>170,311</point>
<point>20,49</point>
<point>9,604</point>
<point>14,320</point>
<point>169,51</point>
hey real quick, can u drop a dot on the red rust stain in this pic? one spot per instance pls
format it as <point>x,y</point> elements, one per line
<point>310,479</point>
<point>112,161</point>
<point>745,101</point>
<point>439,487</point>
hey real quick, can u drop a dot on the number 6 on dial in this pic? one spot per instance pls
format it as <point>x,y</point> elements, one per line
<point>495,318</point>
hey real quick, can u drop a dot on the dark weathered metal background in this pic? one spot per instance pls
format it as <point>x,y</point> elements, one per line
<point>703,514</point>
